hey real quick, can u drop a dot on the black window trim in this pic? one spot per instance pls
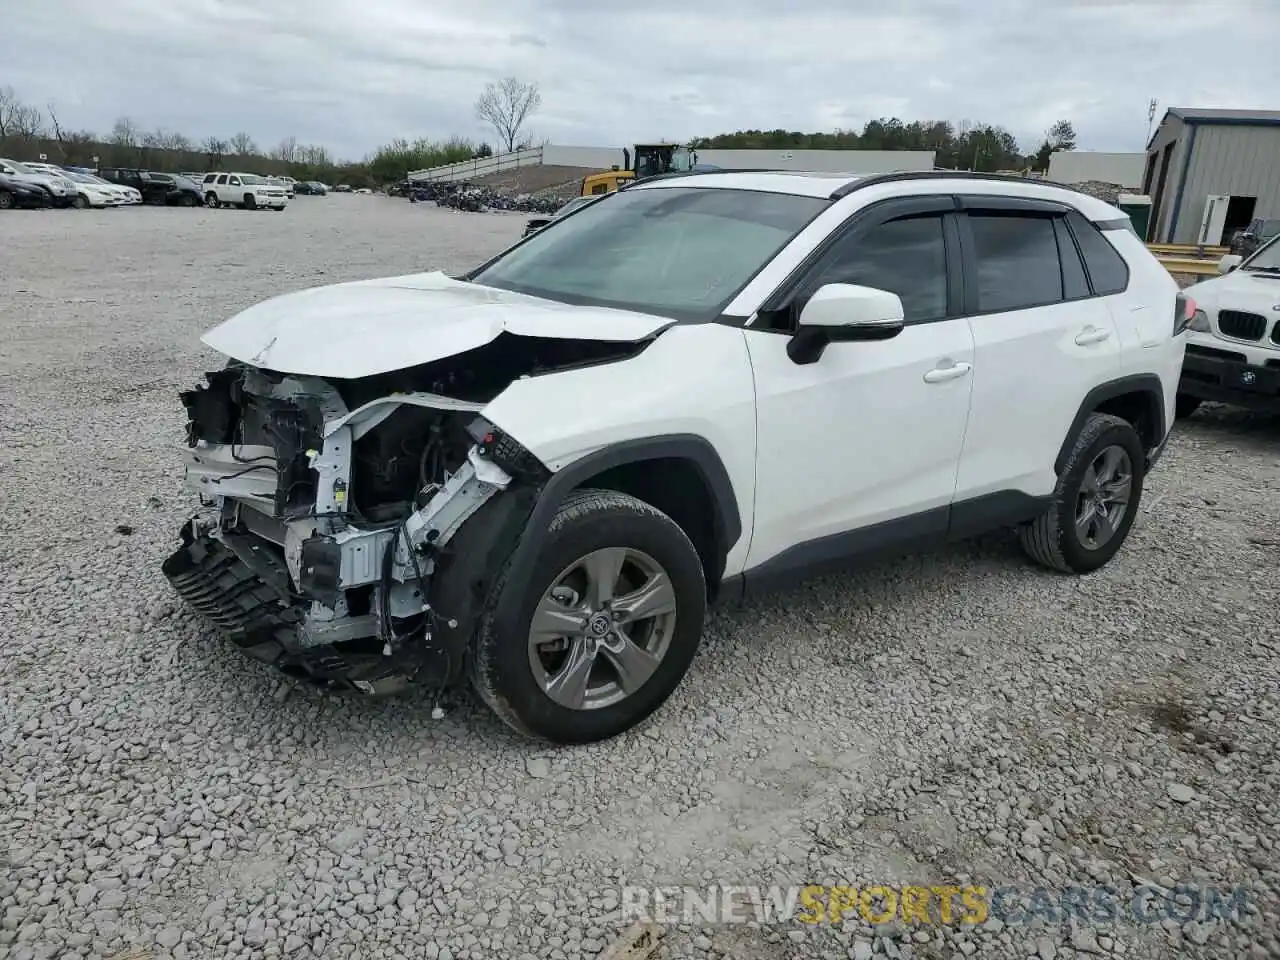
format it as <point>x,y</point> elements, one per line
<point>1040,209</point>
<point>862,219</point>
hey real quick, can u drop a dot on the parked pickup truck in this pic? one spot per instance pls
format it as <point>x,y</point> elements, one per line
<point>247,190</point>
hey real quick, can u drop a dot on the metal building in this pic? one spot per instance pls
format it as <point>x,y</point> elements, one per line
<point>1210,172</point>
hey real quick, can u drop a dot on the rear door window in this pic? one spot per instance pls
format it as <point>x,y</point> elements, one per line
<point>1017,261</point>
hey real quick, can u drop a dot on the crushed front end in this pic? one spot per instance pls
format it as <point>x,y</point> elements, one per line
<point>328,510</point>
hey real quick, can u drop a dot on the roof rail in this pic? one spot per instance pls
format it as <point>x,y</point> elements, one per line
<point>935,174</point>
<point>698,173</point>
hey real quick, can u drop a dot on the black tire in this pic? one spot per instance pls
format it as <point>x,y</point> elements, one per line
<point>1185,405</point>
<point>211,200</point>
<point>80,203</point>
<point>250,202</point>
<point>1052,539</point>
<point>186,200</point>
<point>6,200</point>
<point>588,520</point>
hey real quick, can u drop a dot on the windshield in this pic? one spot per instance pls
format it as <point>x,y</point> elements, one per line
<point>19,167</point>
<point>1268,228</point>
<point>1267,258</point>
<point>80,177</point>
<point>252,180</point>
<point>680,252</point>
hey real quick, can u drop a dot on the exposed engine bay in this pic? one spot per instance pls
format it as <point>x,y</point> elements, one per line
<point>330,505</point>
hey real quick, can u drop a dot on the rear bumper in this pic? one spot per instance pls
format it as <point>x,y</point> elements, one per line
<point>1231,381</point>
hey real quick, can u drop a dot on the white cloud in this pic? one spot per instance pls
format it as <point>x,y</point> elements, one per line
<point>355,73</point>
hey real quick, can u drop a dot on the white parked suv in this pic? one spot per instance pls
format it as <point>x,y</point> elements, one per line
<point>247,190</point>
<point>1233,350</point>
<point>537,474</point>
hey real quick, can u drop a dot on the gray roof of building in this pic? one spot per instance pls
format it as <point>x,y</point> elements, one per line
<point>1195,113</point>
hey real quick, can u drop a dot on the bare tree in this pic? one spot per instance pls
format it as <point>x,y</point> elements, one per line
<point>242,145</point>
<point>9,102</point>
<point>124,133</point>
<point>26,124</point>
<point>287,150</point>
<point>506,105</point>
<point>57,131</point>
<point>214,149</point>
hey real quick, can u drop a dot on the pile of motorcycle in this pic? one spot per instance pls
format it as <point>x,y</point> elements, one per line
<point>463,195</point>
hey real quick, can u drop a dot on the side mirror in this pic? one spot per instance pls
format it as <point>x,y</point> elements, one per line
<point>843,313</point>
<point>1229,262</point>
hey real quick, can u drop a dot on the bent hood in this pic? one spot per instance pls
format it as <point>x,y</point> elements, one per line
<point>1251,291</point>
<point>351,330</point>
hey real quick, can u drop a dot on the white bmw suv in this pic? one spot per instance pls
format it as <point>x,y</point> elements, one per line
<point>1233,349</point>
<point>538,474</point>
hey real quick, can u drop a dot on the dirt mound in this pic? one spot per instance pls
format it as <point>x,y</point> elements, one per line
<point>542,179</point>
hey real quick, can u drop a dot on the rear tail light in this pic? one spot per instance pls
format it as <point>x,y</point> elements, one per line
<point>1184,312</point>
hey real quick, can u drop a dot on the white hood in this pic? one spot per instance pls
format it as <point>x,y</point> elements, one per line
<point>351,330</point>
<point>1241,289</point>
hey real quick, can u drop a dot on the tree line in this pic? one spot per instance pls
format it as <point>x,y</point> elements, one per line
<point>27,131</point>
<point>957,146</point>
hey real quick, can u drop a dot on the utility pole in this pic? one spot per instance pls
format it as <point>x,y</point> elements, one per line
<point>1151,117</point>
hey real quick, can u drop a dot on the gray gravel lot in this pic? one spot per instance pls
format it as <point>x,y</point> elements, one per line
<point>960,717</point>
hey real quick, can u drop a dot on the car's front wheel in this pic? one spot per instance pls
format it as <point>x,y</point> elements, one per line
<point>6,200</point>
<point>1095,502</point>
<point>604,627</point>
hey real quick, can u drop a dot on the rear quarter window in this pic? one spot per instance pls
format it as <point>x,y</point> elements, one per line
<point>1108,272</point>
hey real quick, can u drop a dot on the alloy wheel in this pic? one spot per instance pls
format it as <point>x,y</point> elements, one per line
<point>602,628</point>
<point>1104,495</point>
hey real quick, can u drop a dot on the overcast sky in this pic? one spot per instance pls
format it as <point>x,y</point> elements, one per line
<point>352,74</point>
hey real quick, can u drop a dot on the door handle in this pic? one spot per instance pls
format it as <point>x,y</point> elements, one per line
<point>947,371</point>
<point>1091,335</point>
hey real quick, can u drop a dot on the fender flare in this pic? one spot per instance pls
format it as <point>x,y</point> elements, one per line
<point>1146,384</point>
<point>726,518</point>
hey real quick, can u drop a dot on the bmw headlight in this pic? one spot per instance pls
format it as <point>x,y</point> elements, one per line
<point>1200,322</point>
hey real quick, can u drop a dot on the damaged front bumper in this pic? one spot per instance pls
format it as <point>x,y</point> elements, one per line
<point>286,564</point>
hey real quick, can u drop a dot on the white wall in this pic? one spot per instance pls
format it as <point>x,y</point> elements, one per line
<point>600,158</point>
<point>1077,166</point>
<point>478,168</point>
<point>826,161</point>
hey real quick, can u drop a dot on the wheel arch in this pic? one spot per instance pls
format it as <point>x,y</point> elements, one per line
<point>1139,399</point>
<point>680,474</point>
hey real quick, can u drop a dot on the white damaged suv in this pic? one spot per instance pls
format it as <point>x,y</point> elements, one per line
<point>538,474</point>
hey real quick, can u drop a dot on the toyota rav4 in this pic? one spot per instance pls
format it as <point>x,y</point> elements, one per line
<point>536,475</point>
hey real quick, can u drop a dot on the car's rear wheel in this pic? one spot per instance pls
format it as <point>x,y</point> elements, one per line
<point>6,200</point>
<point>187,200</point>
<point>250,202</point>
<point>211,200</point>
<point>1095,502</point>
<point>601,631</point>
<point>1185,405</point>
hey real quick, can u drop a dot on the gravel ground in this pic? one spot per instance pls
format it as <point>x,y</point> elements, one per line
<point>960,717</point>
